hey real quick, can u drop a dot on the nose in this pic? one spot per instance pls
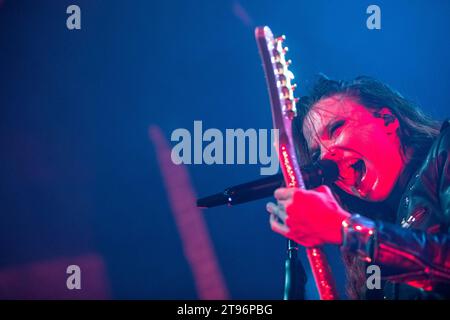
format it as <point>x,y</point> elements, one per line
<point>330,153</point>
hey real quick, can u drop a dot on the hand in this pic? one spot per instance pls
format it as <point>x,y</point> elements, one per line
<point>308,217</point>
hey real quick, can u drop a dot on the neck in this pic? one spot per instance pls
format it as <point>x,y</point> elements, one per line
<point>393,201</point>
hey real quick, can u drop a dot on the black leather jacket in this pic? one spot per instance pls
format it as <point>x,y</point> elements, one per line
<point>413,252</point>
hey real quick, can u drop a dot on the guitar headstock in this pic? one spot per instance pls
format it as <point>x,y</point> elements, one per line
<point>282,101</point>
<point>279,77</point>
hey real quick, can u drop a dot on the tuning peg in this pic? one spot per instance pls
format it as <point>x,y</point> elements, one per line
<point>294,86</point>
<point>285,49</point>
<point>286,93</point>
<point>290,114</point>
<point>279,72</point>
<point>296,100</point>
<point>281,80</point>
<point>289,109</point>
<point>288,103</point>
<point>279,68</point>
<point>289,62</point>
<point>289,74</point>
<point>280,38</point>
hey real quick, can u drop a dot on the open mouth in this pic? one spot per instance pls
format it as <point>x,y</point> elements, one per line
<point>360,169</point>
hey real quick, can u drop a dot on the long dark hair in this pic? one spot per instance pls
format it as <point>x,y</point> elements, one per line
<point>416,132</point>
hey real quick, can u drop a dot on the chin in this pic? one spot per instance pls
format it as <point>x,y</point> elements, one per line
<point>378,193</point>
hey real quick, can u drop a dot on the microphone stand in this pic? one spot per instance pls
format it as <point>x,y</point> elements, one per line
<point>316,174</point>
<point>295,275</point>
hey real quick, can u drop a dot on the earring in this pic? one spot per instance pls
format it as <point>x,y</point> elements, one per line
<point>388,119</point>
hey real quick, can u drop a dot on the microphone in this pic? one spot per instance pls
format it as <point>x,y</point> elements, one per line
<point>314,175</point>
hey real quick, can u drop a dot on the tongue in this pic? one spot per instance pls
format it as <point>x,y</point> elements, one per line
<point>358,178</point>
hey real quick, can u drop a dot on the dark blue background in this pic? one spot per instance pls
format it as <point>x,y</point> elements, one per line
<point>78,172</point>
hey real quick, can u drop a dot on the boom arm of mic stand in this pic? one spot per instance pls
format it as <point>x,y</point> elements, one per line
<point>244,192</point>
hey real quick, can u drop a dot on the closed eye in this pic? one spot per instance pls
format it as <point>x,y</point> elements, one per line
<point>333,129</point>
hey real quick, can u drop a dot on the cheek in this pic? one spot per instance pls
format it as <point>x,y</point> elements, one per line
<point>388,165</point>
<point>384,154</point>
<point>389,168</point>
<point>355,138</point>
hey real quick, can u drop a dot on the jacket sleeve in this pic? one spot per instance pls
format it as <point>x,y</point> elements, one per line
<point>443,164</point>
<point>407,255</point>
<point>412,255</point>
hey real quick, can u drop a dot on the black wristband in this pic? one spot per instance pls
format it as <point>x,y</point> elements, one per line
<point>359,237</point>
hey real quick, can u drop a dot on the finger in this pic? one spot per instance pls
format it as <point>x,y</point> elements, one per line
<point>284,193</point>
<point>270,207</point>
<point>278,227</point>
<point>284,203</point>
<point>276,210</point>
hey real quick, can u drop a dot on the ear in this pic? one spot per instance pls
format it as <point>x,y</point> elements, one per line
<point>390,120</point>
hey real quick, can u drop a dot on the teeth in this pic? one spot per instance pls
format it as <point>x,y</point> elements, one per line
<point>351,162</point>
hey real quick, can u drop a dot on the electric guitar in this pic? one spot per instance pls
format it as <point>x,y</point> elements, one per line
<point>283,104</point>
